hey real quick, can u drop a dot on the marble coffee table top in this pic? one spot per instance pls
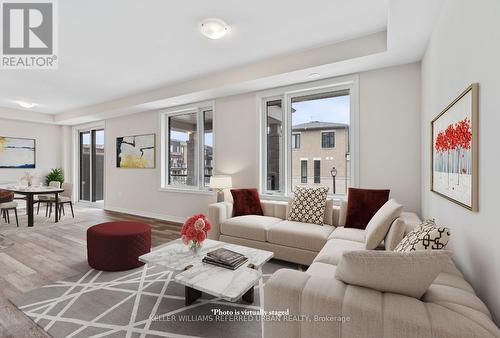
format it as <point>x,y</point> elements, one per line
<point>176,256</point>
<point>224,283</point>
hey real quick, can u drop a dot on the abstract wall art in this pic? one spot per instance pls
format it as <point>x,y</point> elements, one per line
<point>18,153</point>
<point>137,151</point>
<point>454,133</point>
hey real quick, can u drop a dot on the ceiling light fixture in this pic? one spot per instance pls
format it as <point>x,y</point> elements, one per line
<point>26,104</point>
<point>214,28</point>
<point>314,75</point>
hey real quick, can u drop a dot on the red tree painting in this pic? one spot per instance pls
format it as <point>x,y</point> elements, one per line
<point>454,140</point>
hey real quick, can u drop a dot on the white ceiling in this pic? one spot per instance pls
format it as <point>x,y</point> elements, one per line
<point>109,50</point>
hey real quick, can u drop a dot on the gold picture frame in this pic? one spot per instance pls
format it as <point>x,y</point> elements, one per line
<point>454,150</point>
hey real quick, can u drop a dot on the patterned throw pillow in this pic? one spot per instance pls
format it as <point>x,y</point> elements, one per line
<point>308,204</point>
<point>427,236</point>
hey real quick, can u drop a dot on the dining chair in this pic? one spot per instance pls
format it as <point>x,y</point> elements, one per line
<point>65,198</point>
<point>6,204</point>
<point>48,199</point>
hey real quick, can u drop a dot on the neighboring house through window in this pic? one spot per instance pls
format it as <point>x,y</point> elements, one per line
<point>298,123</point>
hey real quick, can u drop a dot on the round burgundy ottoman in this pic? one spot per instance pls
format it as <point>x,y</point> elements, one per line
<point>115,246</point>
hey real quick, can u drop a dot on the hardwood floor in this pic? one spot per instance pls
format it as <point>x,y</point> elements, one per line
<point>49,252</point>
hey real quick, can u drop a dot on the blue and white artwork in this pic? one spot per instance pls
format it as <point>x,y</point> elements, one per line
<point>17,152</point>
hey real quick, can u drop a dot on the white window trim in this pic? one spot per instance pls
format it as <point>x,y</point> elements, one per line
<point>350,82</point>
<point>164,114</point>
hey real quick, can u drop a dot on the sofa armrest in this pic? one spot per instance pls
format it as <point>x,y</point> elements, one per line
<point>282,292</point>
<point>218,213</point>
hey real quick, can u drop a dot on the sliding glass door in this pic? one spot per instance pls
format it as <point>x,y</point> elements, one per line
<point>91,181</point>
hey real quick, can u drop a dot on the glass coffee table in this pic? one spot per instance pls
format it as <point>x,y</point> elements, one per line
<point>198,277</point>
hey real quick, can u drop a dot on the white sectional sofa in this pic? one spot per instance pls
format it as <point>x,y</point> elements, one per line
<point>319,305</point>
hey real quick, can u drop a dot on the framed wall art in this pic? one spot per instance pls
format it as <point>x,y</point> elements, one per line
<point>17,153</point>
<point>137,151</point>
<point>454,154</point>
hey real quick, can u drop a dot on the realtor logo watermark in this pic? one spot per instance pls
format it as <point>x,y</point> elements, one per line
<point>29,34</point>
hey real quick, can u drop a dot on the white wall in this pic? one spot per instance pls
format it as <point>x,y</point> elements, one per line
<point>464,48</point>
<point>48,147</point>
<point>390,133</point>
<point>389,111</point>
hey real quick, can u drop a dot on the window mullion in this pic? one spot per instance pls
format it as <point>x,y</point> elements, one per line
<point>201,141</point>
<point>287,149</point>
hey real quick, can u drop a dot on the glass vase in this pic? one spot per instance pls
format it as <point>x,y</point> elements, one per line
<point>195,247</point>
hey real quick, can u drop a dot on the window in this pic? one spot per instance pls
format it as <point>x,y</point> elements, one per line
<point>299,123</point>
<point>296,141</point>
<point>328,139</point>
<point>188,155</point>
<point>303,171</point>
<point>317,171</point>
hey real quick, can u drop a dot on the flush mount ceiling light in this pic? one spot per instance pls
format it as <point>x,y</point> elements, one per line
<point>214,28</point>
<point>26,104</point>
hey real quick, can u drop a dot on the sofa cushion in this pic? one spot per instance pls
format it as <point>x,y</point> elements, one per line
<point>275,208</point>
<point>425,237</point>
<point>248,226</point>
<point>444,294</point>
<point>380,223</point>
<point>332,252</point>
<point>407,273</point>
<point>351,234</point>
<point>362,204</point>
<point>308,205</point>
<point>299,235</point>
<point>395,234</point>
<point>322,270</point>
<point>246,202</point>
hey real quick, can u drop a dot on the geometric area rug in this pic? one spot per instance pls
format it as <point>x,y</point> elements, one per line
<point>144,302</point>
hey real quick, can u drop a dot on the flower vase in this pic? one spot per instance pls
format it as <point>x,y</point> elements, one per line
<point>195,247</point>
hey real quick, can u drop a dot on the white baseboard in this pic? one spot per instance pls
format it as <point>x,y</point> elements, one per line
<point>163,217</point>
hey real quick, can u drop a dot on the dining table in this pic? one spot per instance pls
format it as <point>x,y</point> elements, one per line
<point>30,193</point>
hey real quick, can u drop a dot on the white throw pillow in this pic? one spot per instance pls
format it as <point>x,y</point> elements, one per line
<point>395,234</point>
<point>406,273</point>
<point>308,204</point>
<point>427,236</point>
<point>380,223</point>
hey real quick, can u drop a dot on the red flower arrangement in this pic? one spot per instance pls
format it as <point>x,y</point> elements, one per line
<point>194,231</point>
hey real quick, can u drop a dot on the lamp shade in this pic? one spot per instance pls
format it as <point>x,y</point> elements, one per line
<point>221,182</point>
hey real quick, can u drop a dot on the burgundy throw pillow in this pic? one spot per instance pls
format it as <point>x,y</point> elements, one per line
<point>362,204</point>
<point>246,202</point>
<point>6,196</point>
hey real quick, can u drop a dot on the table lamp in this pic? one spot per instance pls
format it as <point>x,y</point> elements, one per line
<point>219,183</point>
